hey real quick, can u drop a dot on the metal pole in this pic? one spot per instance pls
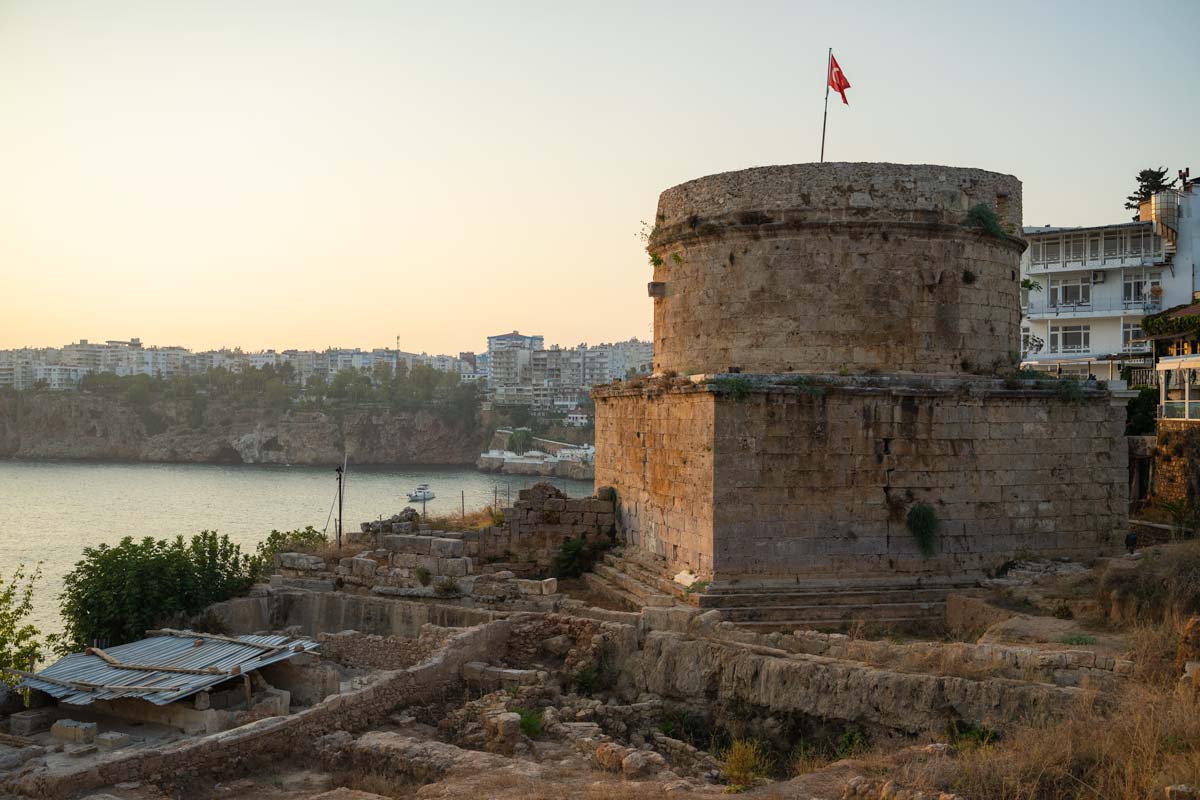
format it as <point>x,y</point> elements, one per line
<point>338,527</point>
<point>824,119</point>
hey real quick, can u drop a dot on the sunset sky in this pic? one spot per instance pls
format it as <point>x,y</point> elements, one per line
<point>307,174</point>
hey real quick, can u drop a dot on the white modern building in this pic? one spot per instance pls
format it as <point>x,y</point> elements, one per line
<point>1097,283</point>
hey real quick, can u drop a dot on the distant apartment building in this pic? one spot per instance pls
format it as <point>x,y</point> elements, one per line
<point>1099,282</point>
<point>514,341</point>
<point>555,381</point>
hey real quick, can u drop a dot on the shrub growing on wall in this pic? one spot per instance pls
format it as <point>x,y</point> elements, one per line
<point>922,523</point>
<point>115,594</point>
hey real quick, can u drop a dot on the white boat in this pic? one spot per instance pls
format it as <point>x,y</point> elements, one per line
<point>423,492</point>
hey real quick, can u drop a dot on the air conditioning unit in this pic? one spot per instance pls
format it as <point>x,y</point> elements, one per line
<point>1098,277</point>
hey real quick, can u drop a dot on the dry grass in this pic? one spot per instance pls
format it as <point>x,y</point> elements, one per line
<point>474,520</point>
<point>1151,740</point>
<point>744,763</point>
<point>375,782</point>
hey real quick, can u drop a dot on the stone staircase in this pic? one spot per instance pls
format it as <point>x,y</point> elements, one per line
<point>636,581</point>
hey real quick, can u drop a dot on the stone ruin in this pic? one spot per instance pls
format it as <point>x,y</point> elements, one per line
<point>830,341</point>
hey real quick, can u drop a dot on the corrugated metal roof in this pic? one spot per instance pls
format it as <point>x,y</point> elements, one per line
<point>90,677</point>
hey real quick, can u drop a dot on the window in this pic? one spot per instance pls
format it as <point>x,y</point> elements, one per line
<point>1053,250</point>
<point>1094,248</point>
<point>1036,254</point>
<point>1129,332</point>
<point>1112,244</point>
<point>1135,243</point>
<point>1139,286</point>
<point>1075,291</point>
<point>1070,338</point>
<point>1075,247</point>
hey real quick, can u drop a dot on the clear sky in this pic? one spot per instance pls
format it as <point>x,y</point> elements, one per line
<point>305,174</point>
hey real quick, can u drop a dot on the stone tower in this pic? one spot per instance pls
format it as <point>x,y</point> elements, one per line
<point>829,345</point>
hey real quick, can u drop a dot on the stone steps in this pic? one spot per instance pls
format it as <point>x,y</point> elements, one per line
<point>834,625</point>
<point>843,613</point>
<point>648,576</point>
<point>600,585</point>
<point>646,595</point>
<point>838,597</point>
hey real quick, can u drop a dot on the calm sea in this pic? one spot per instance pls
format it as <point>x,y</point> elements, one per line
<point>51,510</point>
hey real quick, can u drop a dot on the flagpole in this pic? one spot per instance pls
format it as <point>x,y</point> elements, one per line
<point>824,119</point>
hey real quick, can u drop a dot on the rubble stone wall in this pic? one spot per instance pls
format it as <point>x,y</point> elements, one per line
<point>182,763</point>
<point>1177,461</point>
<point>314,613</point>
<point>819,267</point>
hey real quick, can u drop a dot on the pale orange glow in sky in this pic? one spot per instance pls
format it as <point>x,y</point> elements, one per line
<point>307,174</point>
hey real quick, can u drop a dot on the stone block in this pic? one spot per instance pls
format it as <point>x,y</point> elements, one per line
<point>362,567</point>
<point>27,723</point>
<point>405,560</point>
<point>79,750</point>
<point>453,567</point>
<point>407,543</point>
<point>549,585</point>
<point>430,563</point>
<point>446,548</point>
<point>69,730</point>
<point>528,587</point>
<point>112,740</point>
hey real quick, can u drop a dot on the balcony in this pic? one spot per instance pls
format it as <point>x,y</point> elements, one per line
<point>1040,308</point>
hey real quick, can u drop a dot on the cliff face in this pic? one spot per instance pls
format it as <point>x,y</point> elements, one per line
<point>81,426</point>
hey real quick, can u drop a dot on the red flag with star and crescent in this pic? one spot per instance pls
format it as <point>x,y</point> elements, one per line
<point>837,79</point>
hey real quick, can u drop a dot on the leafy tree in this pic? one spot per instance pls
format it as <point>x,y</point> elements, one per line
<point>304,540</point>
<point>20,647</point>
<point>1150,182</point>
<point>1140,413</point>
<point>520,441</point>
<point>115,594</point>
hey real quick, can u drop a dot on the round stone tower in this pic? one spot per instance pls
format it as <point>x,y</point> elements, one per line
<point>820,268</point>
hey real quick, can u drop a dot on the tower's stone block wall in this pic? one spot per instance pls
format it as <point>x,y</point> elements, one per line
<point>819,267</point>
<point>658,456</point>
<point>779,480</point>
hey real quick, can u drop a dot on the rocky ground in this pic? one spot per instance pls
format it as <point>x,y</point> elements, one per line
<point>557,712</point>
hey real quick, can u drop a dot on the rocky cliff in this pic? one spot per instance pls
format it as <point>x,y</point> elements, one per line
<point>83,426</point>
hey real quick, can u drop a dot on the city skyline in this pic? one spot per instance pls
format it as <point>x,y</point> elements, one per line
<point>377,169</point>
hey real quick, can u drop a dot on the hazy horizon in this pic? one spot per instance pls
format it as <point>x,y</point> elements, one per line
<point>306,174</point>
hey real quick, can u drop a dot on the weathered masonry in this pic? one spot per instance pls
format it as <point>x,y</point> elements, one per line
<point>843,327</point>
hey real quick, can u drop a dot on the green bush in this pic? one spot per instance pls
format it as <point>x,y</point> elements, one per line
<point>576,556</point>
<point>982,216</point>
<point>531,721</point>
<point>446,587</point>
<point>424,576</point>
<point>301,540</point>
<point>922,523</point>
<point>1077,639</point>
<point>736,387</point>
<point>20,647</point>
<point>1140,413</point>
<point>116,593</point>
<point>853,741</point>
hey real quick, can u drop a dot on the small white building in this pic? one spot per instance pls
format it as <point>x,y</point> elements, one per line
<point>578,418</point>
<point>1097,284</point>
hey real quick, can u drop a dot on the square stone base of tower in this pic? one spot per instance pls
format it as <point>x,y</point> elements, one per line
<point>786,479</point>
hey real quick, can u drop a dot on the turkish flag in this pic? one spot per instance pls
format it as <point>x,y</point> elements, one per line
<point>837,79</point>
